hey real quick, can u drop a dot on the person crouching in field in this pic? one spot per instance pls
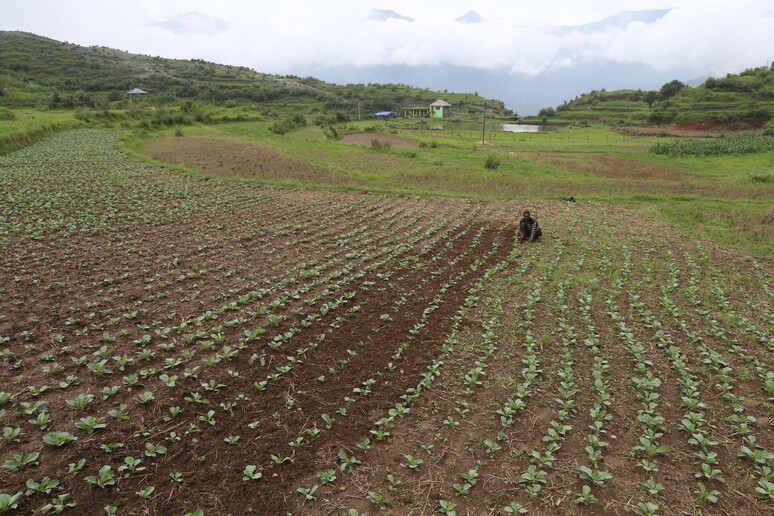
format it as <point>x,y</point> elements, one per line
<point>529,229</point>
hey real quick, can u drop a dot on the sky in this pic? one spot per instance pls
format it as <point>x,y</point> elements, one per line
<point>520,37</point>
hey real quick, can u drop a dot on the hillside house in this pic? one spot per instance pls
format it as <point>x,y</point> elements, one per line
<point>135,92</point>
<point>438,109</point>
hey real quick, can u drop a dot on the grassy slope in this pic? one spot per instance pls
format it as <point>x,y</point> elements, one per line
<point>29,126</point>
<point>34,68</point>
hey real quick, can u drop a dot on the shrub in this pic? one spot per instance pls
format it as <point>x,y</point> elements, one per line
<point>492,162</point>
<point>330,132</point>
<point>299,120</point>
<point>282,126</point>
<point>377,144</point>
<point>82,113</point>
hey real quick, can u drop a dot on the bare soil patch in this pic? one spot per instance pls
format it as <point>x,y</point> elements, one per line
<point>227,157</point>
<point>703,129</point>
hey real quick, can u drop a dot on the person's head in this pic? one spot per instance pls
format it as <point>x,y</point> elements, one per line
<point>525,214</point>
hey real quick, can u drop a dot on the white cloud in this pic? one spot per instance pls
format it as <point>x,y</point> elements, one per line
<point>193,23</point>
<point>280,36</point>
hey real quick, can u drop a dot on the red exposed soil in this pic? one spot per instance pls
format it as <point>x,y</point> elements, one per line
<point>704,129</point>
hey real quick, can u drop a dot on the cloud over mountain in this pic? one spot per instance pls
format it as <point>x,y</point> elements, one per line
<point>617,21</point>
<point>470,17</point>
<point>193,23</point>
<point>387,14</point>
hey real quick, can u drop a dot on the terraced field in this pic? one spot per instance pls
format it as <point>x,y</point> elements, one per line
<point>174,345</point>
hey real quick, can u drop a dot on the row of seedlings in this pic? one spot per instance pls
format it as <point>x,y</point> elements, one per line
<point>646,385</point>
<point>365,388</point>
<point>146,397</point>
<point>743,423</point>
<point>383,426</point>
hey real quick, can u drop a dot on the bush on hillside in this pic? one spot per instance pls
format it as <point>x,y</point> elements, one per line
<point>492,163</point>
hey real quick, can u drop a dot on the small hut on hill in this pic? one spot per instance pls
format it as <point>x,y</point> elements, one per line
<point>440,109</point>
<point>135,92</point>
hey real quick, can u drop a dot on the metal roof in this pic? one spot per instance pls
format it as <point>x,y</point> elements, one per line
<point>441,103</point>
<point>136,91</point>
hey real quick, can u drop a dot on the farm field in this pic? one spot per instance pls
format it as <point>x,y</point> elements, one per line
<point>175,343</point>
<point>724,198</point>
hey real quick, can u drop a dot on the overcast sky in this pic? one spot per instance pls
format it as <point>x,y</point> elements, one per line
<point>280,36</point>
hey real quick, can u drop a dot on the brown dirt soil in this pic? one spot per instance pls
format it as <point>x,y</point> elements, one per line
<point>704,129</point>
<point>365,139</point>
<point>282,328</point>
<point>228,157</point>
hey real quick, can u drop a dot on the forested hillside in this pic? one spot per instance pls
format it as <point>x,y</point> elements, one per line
<point>40,72</point>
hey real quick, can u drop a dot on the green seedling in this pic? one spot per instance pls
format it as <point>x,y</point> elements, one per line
<point>105,477</point>
<point>251,473</point>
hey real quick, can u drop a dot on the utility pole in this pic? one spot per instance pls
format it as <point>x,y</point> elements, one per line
<point>483,128</point>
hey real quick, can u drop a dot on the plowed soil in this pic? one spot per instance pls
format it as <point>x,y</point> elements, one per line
<point>274,351</point>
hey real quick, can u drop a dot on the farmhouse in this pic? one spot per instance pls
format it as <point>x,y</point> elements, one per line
<point>438,109</point>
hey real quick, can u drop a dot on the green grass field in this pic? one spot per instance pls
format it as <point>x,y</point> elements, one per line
<point>728,199</point>
<point>30,125</point>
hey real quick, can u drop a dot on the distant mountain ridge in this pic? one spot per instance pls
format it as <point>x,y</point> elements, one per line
<point>41,72</point>
<point>470,17</point>
<point>619,20</point>
<point>387,14</point>
<point>527,94</point>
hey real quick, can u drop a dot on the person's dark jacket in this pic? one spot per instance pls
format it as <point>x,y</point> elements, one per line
<point>529,229</point>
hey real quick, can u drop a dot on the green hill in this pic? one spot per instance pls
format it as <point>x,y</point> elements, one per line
<point>746,98</point>
<point>44,73</point>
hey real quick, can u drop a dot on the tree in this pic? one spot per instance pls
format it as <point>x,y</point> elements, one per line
<point>670,89</point>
